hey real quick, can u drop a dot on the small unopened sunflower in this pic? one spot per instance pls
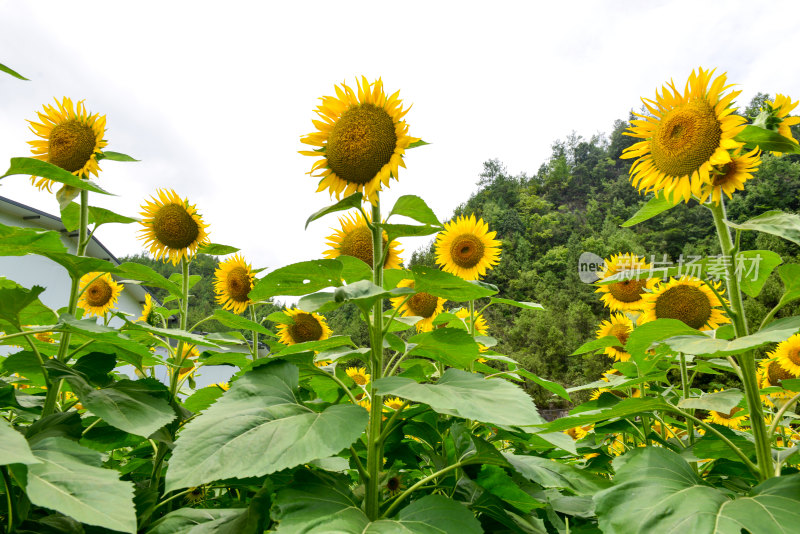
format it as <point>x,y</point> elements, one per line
<point>420,304</point>
<point>72,138</point>
<point>687,299</point>
<point>619,326</point>
<point>358,375</point>
<point>355,239</point>
<point>99,293</point>
<point>467,248</point>
<point>395,403</point>
<point>787,354</point>
<point>685,135</point>
<point>481,328</point>
<point>770,373</point>
<point>625,295</point>
<point>306,327</point>
<point>731,176</point>
<point>780,109</point>
<point>233,281</point>
<point>729,419</point>
<point>361,140</point>
<point>172,227</point>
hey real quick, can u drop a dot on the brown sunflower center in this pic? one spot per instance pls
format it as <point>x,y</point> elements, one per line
<point>71,144</point>
<point>685,138</point>
<point>723,174</point>
<point>358,243</point>
<point>174,227</point>
<point>621,332</point>
<point>99,293</point>
<point>305,328</point>
<point>794,355</point>
<point>776,373</point>
<point>467,251</point>
<point>627,290</point>
<point>359,379</point>
<point>422,304</point>
<point>393,484</point>
<point>361,143</point>
<point>238,284</point>
<point>685,303</point>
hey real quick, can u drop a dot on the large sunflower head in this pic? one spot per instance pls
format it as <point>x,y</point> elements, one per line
<point>305,327</point>
<point>731,176</point>
<point>233,280</point>
<point>619,326</point>
<point>360,140</point>
<point>71,139</point>
<point>685,135</point>
<point>355,239</point>
<point>787,354</point>
<point>687,299</point>
<point>172,227</point>
<point>625,295</point>
<point>420,304</point>
<point>729,419</point>
<point>99,293</point>
<point>778,112</point>
<point>770,374</point>
<point>467,248</point>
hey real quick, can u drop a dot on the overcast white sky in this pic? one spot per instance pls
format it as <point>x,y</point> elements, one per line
<point>213,97</point>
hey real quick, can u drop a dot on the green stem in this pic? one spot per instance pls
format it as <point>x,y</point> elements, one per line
<point>422,482</point>
<point>390,372</point>
<point>374,443</point>
<point>388,426</point>
<point>776,421</point>
<point>747,362</point>
<point>340,383</point>
<point>394,314</point>
<point>686,395</point>
<point>255,334</point>
<point>771,314</point>
<point>12,507</point>
<point>359,466</point>
<point>471,325</point>
<point>39,359</point>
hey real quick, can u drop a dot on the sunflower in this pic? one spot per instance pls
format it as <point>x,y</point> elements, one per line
<point>359,375</point>
<point>779,109</point>
<point>44,337</point>
<point>576,432</point>
<point>787,353</point>
<point>620,326</point>
<point>305,327</point>
<point>685,135</point>
<point>190,354</point>
<point>481,328</point>
<point>394,403</point>
<point>770,374</point>
<point>729,419</point>
<point>172,227</point>
<point>420,304</point>
<point>233,281</point>
<point>196,495</point>
<point>731,176</point>
<point>147,309</point>
<point>467,248</point>
<point>72,138</point>
<point>689,300</point>
<point>99,293</point>
<point>366,404</point>
<point>625,295</point>
<point>361,140</point>
<point>355,239</point>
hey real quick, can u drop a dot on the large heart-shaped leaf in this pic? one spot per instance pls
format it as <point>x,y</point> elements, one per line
<point>448,286</point>
<point>777,331</point>
<point>785,225</point>
<point>298,279</point>
<point>657,204</point>
<point>259,427</point>
<point>35,167</point>
<point>550,474</point>
<point>468,395</point>
<point>13,447</point>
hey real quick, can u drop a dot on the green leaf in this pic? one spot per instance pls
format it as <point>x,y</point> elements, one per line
<point>624,408</point>
<point>348,202</point>
<point>259,427</point>
<point>550,474</point>
<point>523,305</point>
<point>321,345</point>
<point>115,156</point>
<point>448,286</point>
<point>197,521</point>
<point>657,204</point>
<point>496,481</point>
<point>643,336</point>
<point>237,321</point>
<point>721,401</point>
<point>172,333</point>
<point>452,346</point>
<point>362,293</point>
<point>71,216</point>
<point>13,447</point>
<point>13,73</point>
<point>761,264</point>
<point>14,300</point>
<point>203,398</point>
<point>417,143</point>
<point>656,491</point>
<point>69,480</point>
<point>790,276</point>
<point>96,366</point>
<point>77,266</point>
<point>21,241</point>
<point>35,167</point>
<point>712,447</point>
<point>596,344</point>
<point>470,396</point>
<point>298,279</point>
<point>354,269</point>
<point>785,225</point>
<point>552,387</point>
<point>393,231</point>
<point>100,216</point>
<point>148,277</point>
<point>414,207</point>
<point>755,136</point>
<point>215,249</point>
<point>777,331</point>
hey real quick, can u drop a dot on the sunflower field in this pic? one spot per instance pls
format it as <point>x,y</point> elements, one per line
<point>426,428</point>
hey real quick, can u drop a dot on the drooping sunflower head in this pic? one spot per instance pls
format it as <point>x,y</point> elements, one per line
<point>172,227</point>
<point>305,327</point>
<point>359,375</point>
<point>787,354</point>
<point>625,295</point>
<point>778,111</point>
<point>233,280</point>
<point>420,304</point>
<point>687,299</point>
<point>354,238</point>
<point>467,248</point>
<point>732,419</point>
<point>619,326</point>
<point>99,293</point>
<point>147,309</point>
<point>685,134</point>
<point>71,139</point>
<point>360,140</point>
<point>731,176</point>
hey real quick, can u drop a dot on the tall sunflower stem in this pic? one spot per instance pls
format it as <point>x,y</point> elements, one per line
<point>374,443</point>
<point>686,387</point>
<point>747,363</point>
<point>472,330</point>
<point>255,333</point>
